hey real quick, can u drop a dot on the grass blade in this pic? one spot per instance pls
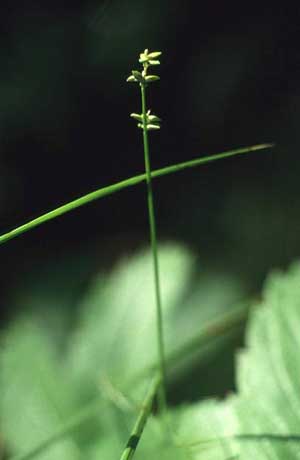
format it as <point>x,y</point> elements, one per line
<point>118,186</point>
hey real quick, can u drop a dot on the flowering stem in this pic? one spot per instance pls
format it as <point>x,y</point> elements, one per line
<point>153,241</point>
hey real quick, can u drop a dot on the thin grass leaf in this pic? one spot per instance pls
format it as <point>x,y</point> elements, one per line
<point>118,186</point>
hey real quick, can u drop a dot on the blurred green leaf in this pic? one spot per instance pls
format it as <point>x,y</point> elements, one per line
<point>268,373</point>
<point>117,333</point>
<point>262,420</point>
<point>35,397</point>
<point>43,385</point>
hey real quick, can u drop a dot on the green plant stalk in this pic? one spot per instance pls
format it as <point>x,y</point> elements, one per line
<point>227,323</point>
<point>153,241</point>
<point>141,420</point>
<point>118,186</point>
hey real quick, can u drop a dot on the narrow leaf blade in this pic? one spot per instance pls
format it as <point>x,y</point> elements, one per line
<point>118,186</point>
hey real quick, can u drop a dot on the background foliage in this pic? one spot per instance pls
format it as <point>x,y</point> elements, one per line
<point>43,384</point>
<point>229,77</point>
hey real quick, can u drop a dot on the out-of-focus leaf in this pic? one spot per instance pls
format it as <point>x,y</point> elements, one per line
<point>262,420</point>
<point>268,371</point>
<point>114,340</point>
<point>35,398</point>
<point>117,329</point>
<point>199,426</point>
<point>116,333</point>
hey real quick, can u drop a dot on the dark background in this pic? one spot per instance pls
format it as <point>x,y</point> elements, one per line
<point>229,78</point>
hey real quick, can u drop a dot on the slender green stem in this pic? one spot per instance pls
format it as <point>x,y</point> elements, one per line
<point>141,420</point>
<point>153,241</point>
<point>118,186</point>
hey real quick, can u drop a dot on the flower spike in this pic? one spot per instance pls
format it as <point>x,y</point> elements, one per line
<point>147,121</point>
<point>150,122</point>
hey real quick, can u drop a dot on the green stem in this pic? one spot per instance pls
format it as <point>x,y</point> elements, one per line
<point>141,420</point>
<point>153,241</point>
<point>118,186</point>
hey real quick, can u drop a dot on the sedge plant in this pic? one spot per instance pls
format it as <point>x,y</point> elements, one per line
<point>146,121</point>
<point>150,122</point>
